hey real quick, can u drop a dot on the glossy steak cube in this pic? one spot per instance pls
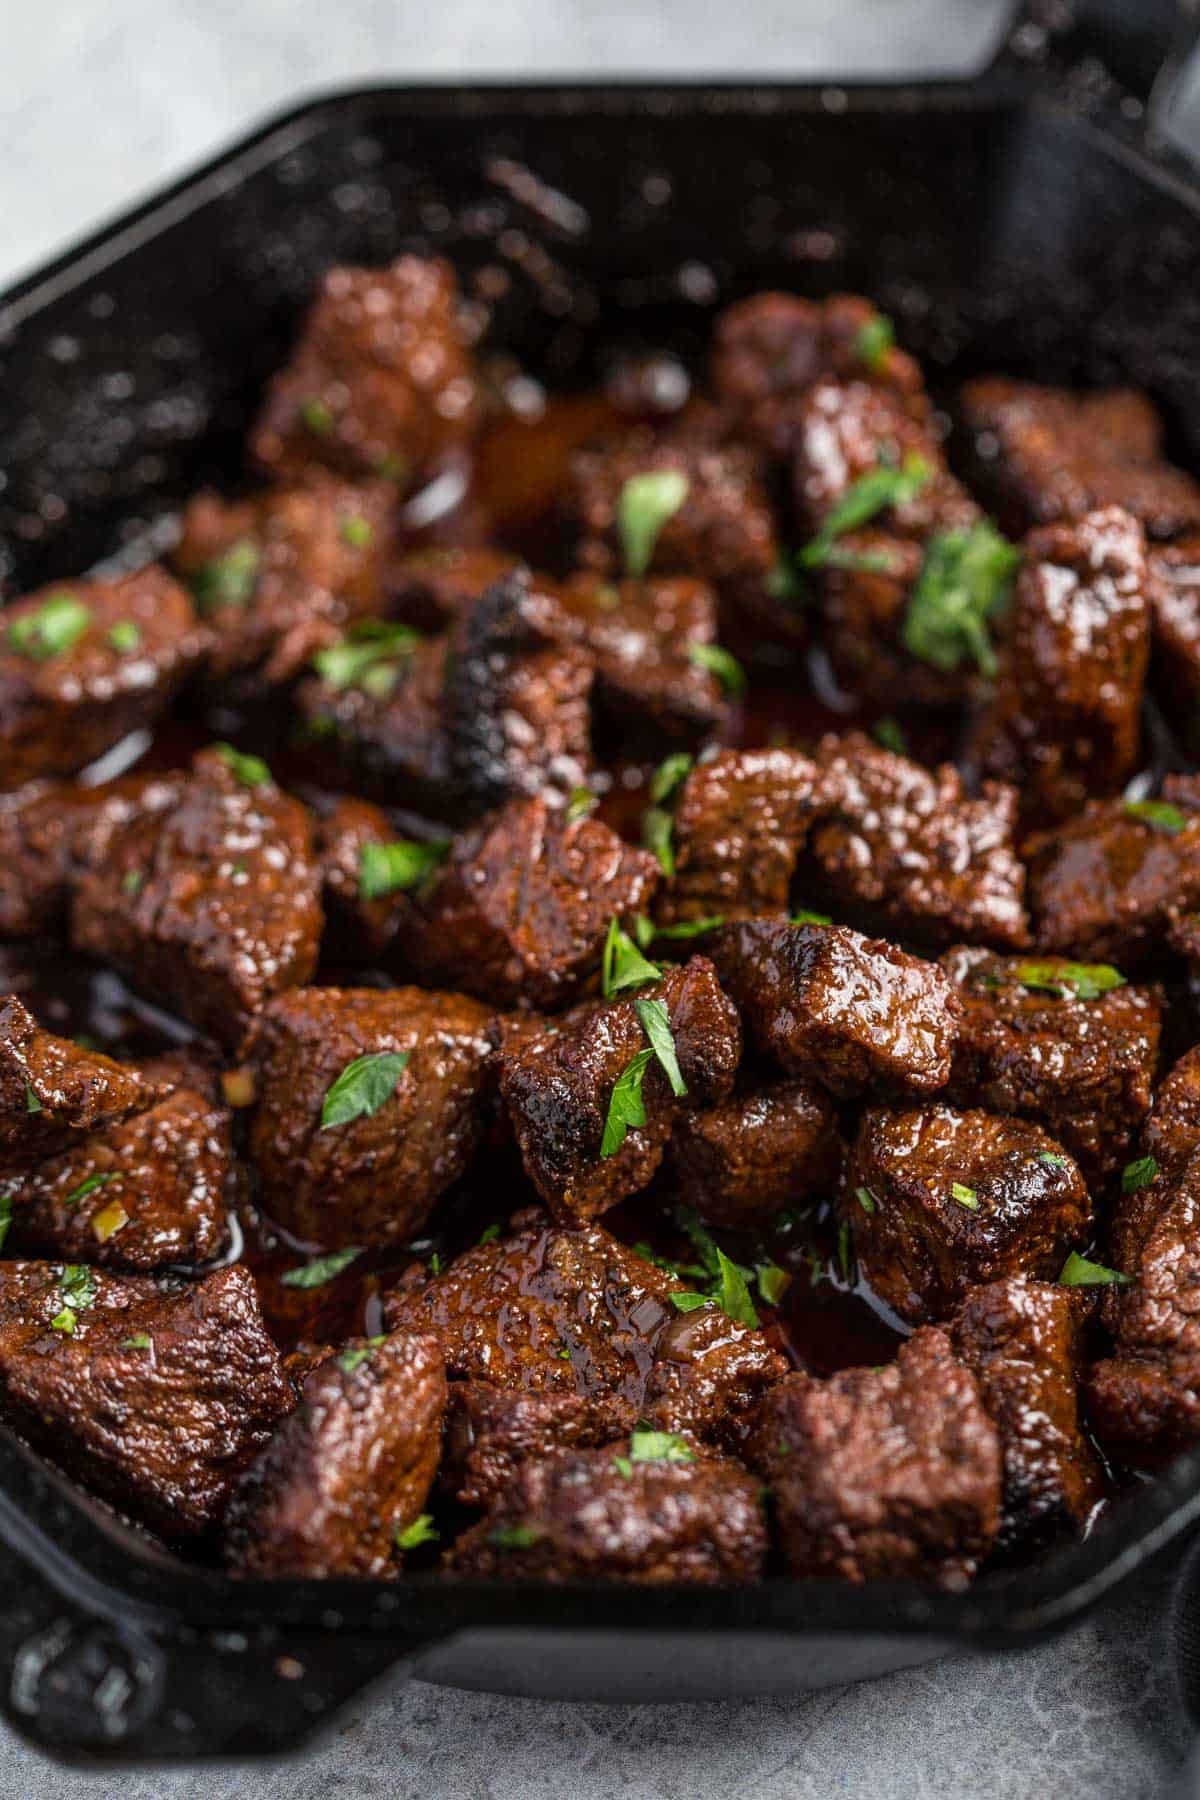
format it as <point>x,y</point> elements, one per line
<point>767,1147</point>
<point>740,819</point>
<point>53,1092</point>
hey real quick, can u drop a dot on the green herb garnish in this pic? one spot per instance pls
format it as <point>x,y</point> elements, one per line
<point>32,1103</point>
<point>580,803</point>
<point>1138,1174</point>
<point>645,504</point>
<point>659,1446</point>
<point>6,1213</point>
<point>89,1187</point>
<point>866,1199</point>
<point>645,930</point>
<point>965,1196</point>
<point>623,1466</point>
<point>322,1269</point>
<point>228,580</point>
<point>872,493</point>
<point>690,1302</point>
<point>733,1297</point>
<point>350,1360</point>
<point>873,340</point>
<point>515,1537</point>
<point>77,1290</point>
<point>964,580</point>
<point>845,1253</point>
<point>132,881</point>
<point>317,416</point>
<point>773,1282</point>
<point>488,1235</point>
<point>656,1023</point>
<point>421,1531</point>
<point>721,663</point>
<point>626,1107</point>
<point>623,965</point>
<point>357,532</point>
<point>785,582</point>
<point>56,627</point>
<point>1077,1271</point>
<point>367,656</point>
<point>251,771</point>
<point>1079,981</point>
<point>1052,1159</point>
<point>671,773</point>
<point>658,828</point>
<point>887,733</point>
<point>141,1341</point>
<point>124,636</point>
<point>363,1086</point>
<point>397,867</point>
<point>1159,813</point>
<point>805,917</point>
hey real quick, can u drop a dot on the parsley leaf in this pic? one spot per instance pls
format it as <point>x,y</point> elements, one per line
<point>879,488</point>
<point>581,802</point>
<point>488,1235</point>
<point>1079,981</point>
<point>773,1282</point>
<point>845,1254</point>
<point>141,1341</point>
<point>671,773</point>
<point>1077,1271</point>
<point>515,1537</point>
<point>625,1107</point>
<point>873,340</point>
<point>421,1531</point>
<point>656,1023</point>
<point>866,1199</point>
<point>55,627</point>
<point>647,931</point>
<point>623,1466</point>
<point>644,505</point>
<point>77,1290</point>
<point>363,1086</point>
<point>350,1360</point>
<point>124,636</point>
<point>689,1302</point>
<point>396,867</point>
<point>623,965</point>
<point>1159,813</point>
<point>721,663</point>
<point>1052,1159</point>
<point>966,1196</point>
<point>356,532</point>
<point>6,1212</point>
<point>734,1296</point>
<point>965,577</point>
<point>321,1269</point>
<point>805,917</point>
<point>368,656</point>
<point>228,580</point>
<point>887,733</point>
<point>89,1187</point>
<point>659,1446</point>
<point>657,830</point>
<point>32,1103</point>
<point>317,416</point>
<point>1138,1174</point>
<point>251,771</point>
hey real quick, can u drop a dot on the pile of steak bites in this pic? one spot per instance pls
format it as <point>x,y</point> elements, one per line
<point>508,902</point>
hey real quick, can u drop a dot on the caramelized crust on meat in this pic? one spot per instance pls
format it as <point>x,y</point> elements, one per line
<point>53,1092</point>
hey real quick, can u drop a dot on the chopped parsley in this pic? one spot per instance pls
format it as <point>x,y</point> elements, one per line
<point>350,1360</point>
<point>1159,813</point>
<point>515,1537</point>
<point>1052,1159</point>
<point>645,930</point>
<point>656,1023</point>
<point>805,917</point>
<point>1138,1174</point>
<point>6,1210</point>
<point>1077,1271</point>
<point>322,1269</point>
<point>623,965</point>
<point>873,340</point>
<point>965,1196</point>
<point>251,771</point>
<point>671,773</point>
<point>32,1103</point>
<point>357,532</point>
<point>132,882</point>
<point>623,1466</point>
<point>645,504</point>
<point>124,636</point>
<point>489,1234</point>
<point>397,867</point>
<point>657,831</point>
<point>141,1341</point>
<point>690,1302</point>
<point>880,488</point>
<point>581,802</point>
<point>964,580</point>
<point>725,1281</point>
<point>785,582</point>
<point>421,1531</point>
<point>1079,981</point>
<point>368,656</point>
<point>77,1291</point>
<point>55,627</point>
<point>721,663</point>
<point>89,1187</point>
<point>228,580</point>
<point>626,1108</point>
<point>317,416</point>
<point>659,1446</point>
<point>845,1253</point>
<point>888,734</point>
<point>363,1086</point>
<point>866,1199</point>
<point>773,1282</point>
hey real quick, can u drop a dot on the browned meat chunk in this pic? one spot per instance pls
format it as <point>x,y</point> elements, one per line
<point>490,1431</point>
<point>83,666</point>
<point>940,1201</point>
<point>558,1087</point>
<point>1045,453</point>
<point>1144,1401</point>
<point>766,1148</point>
<point>1083,1067</point>
<point>1106,884</point>
<point>865,598</point>
<point>369,1106</point>
<point>848,1011</point>
<point>617,1515</point>
<point>53,1093</point>
<point>723,531</point>
<point>520,909</point>
<point>433,589</point>
<point>213,906</point>
<point>349,1470</point>
<point>380,382</point>
<point>280,576</point>
<point>1065,721</point>
<point>156,1397</point>
<point>882,1474</point>
<point>146,1192</point>
<point>739,822</point>
<point>1021,1341</point>
<point>50,831</point>
<point>517,702</point>
<point>361,923</point>
<point>844,431</point>
<point>905,850</point>
<point>1175,652</point>
<point>771,349</point>
<point>574,1315</point>
<point>1173,1128</point>
<point>376,720</point>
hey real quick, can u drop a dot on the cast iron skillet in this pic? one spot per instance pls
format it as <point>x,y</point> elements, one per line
<point>1027,221</point>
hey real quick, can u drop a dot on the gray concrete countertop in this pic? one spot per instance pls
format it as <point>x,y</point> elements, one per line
<point>98,103</point>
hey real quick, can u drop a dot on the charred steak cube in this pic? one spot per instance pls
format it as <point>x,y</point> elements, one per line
<point>1065,721</point>
<point>434,589</point>
<point>156,1397</point>
<point>53,1092</point>
<point>848,1011</point>
<point>212,906</point>
<point>520,909</point>
<point>490,1431</point>
<point>940,1201</point>
<point>1106,885</point>
<point>375,723</point>
<point>882,1474</point>
<point>370,1103</point>
<point>349,1470</point>
<point>615,1515</point>
<point>904,849</point>
<point>740,819</point>
<point>278,577</point>
<point>1173,1128</point>
<point>380,382</point>
<point>771,349</point>
<point>1174,590</point>
<point>142,1193</point>
<point>1045,453</point>
<point>1033,1047</point>
<point>768,1147</point>
<point>1021,1341</point>
<point>363,914</point>
<point>82,666</point>
<point>559,1087</point>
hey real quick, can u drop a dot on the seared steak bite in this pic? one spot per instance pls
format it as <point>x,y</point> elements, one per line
<point>767,1147</point>
<point>1173,1128</point>
<point>516,702</point>
<point>1174,591</point>
<point>1065,720</point>
<point>380,382</point>
<point>376,721</point>
<point>940,1201</point>
<point>740,818</point>
<point>362,914</point>
<point>520,908</point>
<point>558,1087</point>
<point>1021,1340</point>
<point>615,1515</point>
<point>848,1011</point>
<point>278,577</point>
<point>83,665</point>
<point>157,1397</point>
<point>1034,1048</point>
<point>1045,453</point>
<point>53,1092</point>
<point>1106,884</point>
<point>882,1474</point>
<point>770,349</point>
<point>865,599</point>
<point>370,1103</point>
<point>905,849</point>
<point>143,1193</point>
<point>845,431</point>
<point>349,1470</point>
<point>433,589</point>
<point>491,1430</point>
<point>212,906</point>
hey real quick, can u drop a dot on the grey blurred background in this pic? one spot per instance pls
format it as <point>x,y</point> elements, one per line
<point>101,101</point>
